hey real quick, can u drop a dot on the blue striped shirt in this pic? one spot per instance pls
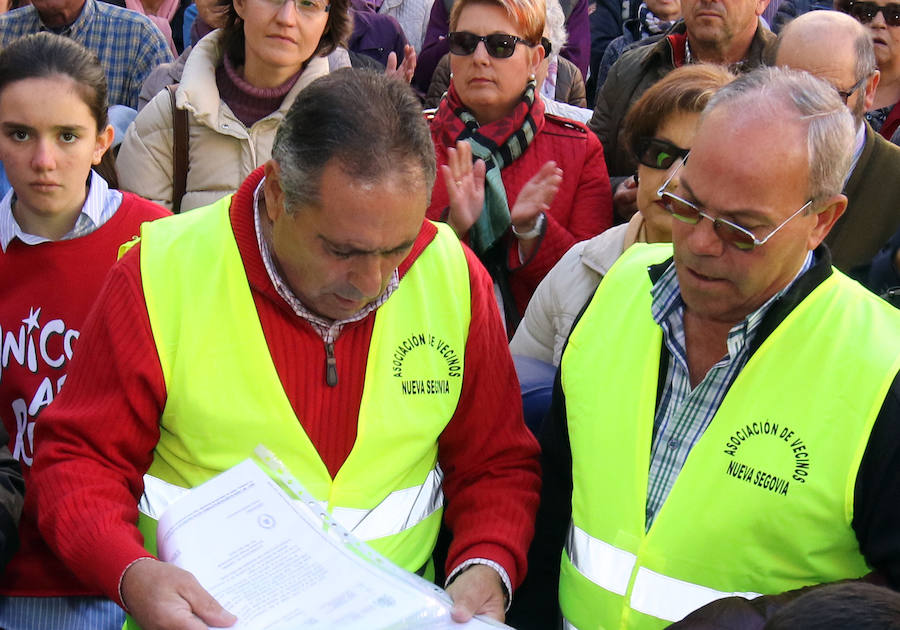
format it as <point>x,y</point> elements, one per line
<point>684,413</point>
<point>127,43</point>
<point>99,206</point>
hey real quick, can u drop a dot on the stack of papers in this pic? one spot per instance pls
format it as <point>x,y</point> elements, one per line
<point>278,564</point>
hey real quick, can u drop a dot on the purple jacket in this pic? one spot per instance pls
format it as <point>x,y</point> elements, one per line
<point>375,35</point>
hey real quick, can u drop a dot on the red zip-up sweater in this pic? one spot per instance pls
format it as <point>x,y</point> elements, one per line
<point>97,439</point>
<point>47,291</point>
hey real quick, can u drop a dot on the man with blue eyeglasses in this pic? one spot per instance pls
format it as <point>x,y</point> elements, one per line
<point>743,443</point>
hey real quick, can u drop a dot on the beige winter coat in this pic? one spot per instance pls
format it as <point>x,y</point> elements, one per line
<point>222,150</point>
<point>564,291</point>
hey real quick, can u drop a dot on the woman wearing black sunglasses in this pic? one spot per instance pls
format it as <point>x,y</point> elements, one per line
<point>539,183</point>
<point>882,19</point>
<point>659,128</point>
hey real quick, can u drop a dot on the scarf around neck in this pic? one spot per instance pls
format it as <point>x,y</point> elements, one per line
<point>499,144</point>
<point>162,17</point>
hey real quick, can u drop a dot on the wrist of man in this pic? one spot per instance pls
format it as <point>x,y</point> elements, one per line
<point>501,573</point>
<point>122,579</point>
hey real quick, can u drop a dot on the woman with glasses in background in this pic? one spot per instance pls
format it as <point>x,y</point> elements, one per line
<point>882,19</point>
<point>659,128</point>
<point>538,183</point>
<point>237,85</point>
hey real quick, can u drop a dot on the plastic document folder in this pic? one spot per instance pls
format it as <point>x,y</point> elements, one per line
<point>280,562</point>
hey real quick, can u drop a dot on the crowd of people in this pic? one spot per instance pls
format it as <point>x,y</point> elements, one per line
<point>585,311</point>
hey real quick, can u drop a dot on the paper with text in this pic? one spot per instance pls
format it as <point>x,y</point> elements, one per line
<point>269,561</point>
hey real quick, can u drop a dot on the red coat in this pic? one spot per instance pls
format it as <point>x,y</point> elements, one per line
<point>582,207</point>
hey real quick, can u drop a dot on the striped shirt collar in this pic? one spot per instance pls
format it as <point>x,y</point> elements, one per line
<point>99,206</point>
<point>668,304</point>
<point>327,329</point>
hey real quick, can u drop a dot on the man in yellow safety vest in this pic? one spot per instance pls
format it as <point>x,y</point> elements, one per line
<point>318,313</point>
<point>727,408</point>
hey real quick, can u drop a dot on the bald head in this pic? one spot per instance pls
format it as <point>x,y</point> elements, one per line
<point>834,47</point>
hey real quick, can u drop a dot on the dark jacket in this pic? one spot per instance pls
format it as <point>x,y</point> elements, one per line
<point>873,211</point>
<point>635,71</point>
<point>881,274</point>
<point>876,510</point>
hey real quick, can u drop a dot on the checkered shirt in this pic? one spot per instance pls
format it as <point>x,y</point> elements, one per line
<point>127,43</point>
<point>684,413</point>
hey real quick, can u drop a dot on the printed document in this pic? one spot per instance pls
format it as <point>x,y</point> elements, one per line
<point>276,564</point>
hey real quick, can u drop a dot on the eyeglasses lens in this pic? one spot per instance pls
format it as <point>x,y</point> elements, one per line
<point>498,45</point>
<point>690,214</point>
<point>658,154</point>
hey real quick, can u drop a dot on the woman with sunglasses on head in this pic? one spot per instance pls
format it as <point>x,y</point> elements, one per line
<point>237,85</point>
<point>659,129</point>
<point>882,19</point>
<point>539,183</point>
<point>61,227</point>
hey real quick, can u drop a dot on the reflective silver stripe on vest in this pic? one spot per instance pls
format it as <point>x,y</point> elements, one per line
<point>672,599</point>
<point>158,496</point>
<point>606,566</point>
<point>653,593</point>
<point>399,510</point>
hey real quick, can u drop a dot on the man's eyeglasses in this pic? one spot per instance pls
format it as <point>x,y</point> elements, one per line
<point>730,232</point>
<point>865,12</point>
<point>657,153</point>
<point>845,96</point>
<point>498,45</point>
<point>305,7</point>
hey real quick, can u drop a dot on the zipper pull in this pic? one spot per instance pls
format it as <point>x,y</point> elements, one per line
<point>331,377</point>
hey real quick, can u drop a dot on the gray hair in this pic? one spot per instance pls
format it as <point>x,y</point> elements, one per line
<point>830,130</point>
<point>371,124</point>
<point>555,27</point>
<point>865,54</point>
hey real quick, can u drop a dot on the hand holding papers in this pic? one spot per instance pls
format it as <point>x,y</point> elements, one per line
<point>276,565</point>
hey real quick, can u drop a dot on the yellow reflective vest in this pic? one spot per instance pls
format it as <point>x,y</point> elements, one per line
<point>764,502</point>
<point>224,395</point>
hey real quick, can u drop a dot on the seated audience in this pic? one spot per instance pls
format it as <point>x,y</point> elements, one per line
<point>539,184</point>
<point>61,227</point>
<point>236,86</point>
<point>659,129</point>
